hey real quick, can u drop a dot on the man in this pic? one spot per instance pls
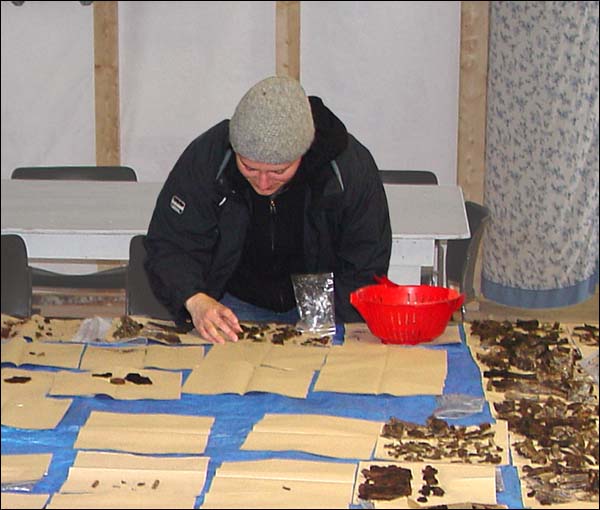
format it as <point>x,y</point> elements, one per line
<point>280,189</point>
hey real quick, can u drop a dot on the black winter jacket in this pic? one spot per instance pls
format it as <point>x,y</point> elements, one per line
<point>199,226</point>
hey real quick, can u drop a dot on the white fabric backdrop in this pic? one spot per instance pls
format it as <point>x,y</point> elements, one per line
<point>389,69</point>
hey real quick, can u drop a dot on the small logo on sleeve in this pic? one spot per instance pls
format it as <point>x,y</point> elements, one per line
<point>177,204</point>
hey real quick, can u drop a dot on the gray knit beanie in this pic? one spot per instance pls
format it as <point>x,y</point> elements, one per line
<point>273,122</point>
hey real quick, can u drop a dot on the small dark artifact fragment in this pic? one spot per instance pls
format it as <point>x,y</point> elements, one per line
<point>117,380</point>
<point>18,379</point>
<point>155,484</point>
<point>385,482</point>
<point>104,375</point>
<point>136,378</point>
<point>95,484</point>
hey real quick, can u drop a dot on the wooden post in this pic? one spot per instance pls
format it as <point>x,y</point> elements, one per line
<point>106,80</point>
<point>472,98</point>
<point>287,39</point>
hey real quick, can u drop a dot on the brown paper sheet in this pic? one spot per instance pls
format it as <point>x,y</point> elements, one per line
<point>43,328</point>
<point>10,326</point>
<point>20,352</point>
<point>586,348</point>
<point>98,358</point>
<point>161,331</point>
<point>24,404</point>
<point>377,369</point>
<point>32,412</point>
<point>462,483</point>
<point>120,501</point>
<point>173,357</point>
<point>281,483</point>
<point>33,383</point>
<point>170,478</point>
<point>330,436</point>
<point>359,332</point>
<point>114,382</point>
<point>145,433</point>
<point>500,446</point>
<point>288,356</point>
<point>18,500</point>
<point>242,377</point>
<point>24,468</point>
<point>280,334</point>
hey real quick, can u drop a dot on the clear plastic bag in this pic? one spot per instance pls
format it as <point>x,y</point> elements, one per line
<point>315,301</point>
<point>457,405</point>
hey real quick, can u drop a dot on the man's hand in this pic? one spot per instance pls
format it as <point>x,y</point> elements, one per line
<point>212,320</point>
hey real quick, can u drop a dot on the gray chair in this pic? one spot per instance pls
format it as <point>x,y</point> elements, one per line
<point>76,173</point>
<point>461,254</point>
<point>140,299</point>
<point>408,177</point>
<point>16,277</point>
<point>113,278</point>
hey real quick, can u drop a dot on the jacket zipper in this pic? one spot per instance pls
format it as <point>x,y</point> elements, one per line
<point>273,212</point>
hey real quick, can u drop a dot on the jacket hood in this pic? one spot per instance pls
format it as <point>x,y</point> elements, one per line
<point>331,136</point>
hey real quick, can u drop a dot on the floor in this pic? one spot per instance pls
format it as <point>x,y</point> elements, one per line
<point>79,303</point>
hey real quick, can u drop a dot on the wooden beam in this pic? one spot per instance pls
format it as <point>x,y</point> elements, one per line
<point>287,39</point>
<point>472,98</point>
<point>106,80</point>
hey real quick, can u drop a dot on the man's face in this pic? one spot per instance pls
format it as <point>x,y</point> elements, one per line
<point>266,178</point>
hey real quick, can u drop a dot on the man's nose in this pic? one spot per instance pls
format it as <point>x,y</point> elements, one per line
<point>263,180</point>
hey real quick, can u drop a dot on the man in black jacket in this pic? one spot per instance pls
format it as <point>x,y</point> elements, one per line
<point>280,189</point>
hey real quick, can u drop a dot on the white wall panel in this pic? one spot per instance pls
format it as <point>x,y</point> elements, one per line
<point>390,70</point>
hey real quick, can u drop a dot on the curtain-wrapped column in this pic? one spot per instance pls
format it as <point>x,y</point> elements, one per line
<point>541,184</point>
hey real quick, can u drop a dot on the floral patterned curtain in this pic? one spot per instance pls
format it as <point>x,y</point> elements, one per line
<point>541,246</point>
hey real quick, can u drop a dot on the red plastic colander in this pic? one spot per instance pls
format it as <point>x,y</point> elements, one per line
<point>406,314</point>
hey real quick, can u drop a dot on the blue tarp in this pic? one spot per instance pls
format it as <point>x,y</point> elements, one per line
<point>235,416</point>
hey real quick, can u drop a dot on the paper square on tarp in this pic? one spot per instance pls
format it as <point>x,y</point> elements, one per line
<point>281,483</point>
<point>288,356</point>
<point>21,382</point>
<point>145,433</point>
<point>242,377</point>
<point>31,412</point>
<point>584,336</point>
<point>128,327</point>
<point>11,325</point>
<point>24,402</point>
<point>377,369</point>
<point>360,332</point>
<point>25,501</point>
<point>38,327</point>
<point>430,446</point>
<point>280,334</point>
<point>331,436</point>
<point>100,472</point>
<point>96,357</point>
<point>110,500</point>
<point>122,383</point>
<point>461,483</point>
<point>24,468</point>
<point>20,352</point>
<point>169,357</point>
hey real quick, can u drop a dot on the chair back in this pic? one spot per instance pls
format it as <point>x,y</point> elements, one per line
<point>408,177</point>
<point>76,173</point>
<point>461,257</point>
<point>108,279</point>
<point>140,299</point>
<point>16,277</point>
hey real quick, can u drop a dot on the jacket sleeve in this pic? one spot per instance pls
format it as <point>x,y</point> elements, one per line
<point>365,234</point>
<point>183,230</point>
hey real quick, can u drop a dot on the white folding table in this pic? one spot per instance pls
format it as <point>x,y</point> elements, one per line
<point>84,220</point>
<point>423,219</point>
